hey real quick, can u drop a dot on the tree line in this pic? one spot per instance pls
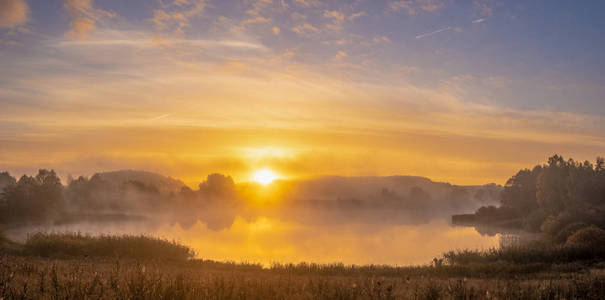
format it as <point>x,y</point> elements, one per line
<point>556,198</point>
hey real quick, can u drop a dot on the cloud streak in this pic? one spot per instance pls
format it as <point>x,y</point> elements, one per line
<point>161,42</point>
<point>420,36</point>
<point>448,28</point>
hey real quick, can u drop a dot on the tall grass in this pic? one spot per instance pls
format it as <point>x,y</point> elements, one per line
<point>121,246</point>
<point>142,267</point>
<point>527,254</point>
<point>40,278</point>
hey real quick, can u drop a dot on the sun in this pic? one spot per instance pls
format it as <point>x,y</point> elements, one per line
<point>264,176</point>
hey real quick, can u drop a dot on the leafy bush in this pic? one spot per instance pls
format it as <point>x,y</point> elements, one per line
<point>553,224</point>
<point>589,237</point>
<point>534,220</point>
<point>567,231</point>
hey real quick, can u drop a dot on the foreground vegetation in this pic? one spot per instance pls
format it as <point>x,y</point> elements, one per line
<point>75,266</point>
<point>30,278</point>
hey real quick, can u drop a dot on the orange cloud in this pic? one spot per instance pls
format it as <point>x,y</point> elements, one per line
<point>84,17</point>
<point>176,17</point>
<point>13,13</point>
<point>305,29</point>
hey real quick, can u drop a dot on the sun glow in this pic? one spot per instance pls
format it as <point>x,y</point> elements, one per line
<point>264,176</point>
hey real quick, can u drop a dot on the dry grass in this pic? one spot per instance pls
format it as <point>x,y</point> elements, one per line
<point>73,266</point>
<point>88,278</point>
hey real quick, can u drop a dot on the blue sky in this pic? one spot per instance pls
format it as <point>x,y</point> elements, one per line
<point>480,70</point>
<point>549,51</point>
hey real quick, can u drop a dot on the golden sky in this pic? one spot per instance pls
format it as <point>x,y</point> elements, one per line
<point>305,88</point>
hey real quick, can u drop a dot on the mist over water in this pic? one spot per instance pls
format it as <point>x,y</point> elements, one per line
<point>268,240</point>
<point>399,220</point>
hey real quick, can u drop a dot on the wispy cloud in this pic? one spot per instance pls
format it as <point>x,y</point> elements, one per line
<point>458,29</point>
<point>434,32</point>
<point>307,3</point>
<point>484,7</point>
<point>305,28</point>
<point>84,17</point>
<point>341,54</point>
<point>157,118</point>
<point>176,17</point>
<point>414,6</point>
<point>155,42</point>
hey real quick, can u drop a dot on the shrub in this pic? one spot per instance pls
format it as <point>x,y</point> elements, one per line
<point>552,224</point>
<point>534,220</point>
<point>589,237</point>
<point>561,236</point>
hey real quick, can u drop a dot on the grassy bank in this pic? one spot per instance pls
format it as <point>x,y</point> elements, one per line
<point>87,278</point>
<point>123,246</point>
<point>75,266</point>
<point>65,245</point>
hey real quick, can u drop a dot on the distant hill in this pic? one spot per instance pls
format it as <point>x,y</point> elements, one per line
<point>363,186</point>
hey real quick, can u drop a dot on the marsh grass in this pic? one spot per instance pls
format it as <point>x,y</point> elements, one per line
<point>76,266</point>
<point>534,253</point>
<point>120,246</point>
<point>87,278</point>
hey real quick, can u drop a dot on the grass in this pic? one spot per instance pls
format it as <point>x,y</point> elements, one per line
<point>75,266</point>
<point>122,246</point>
<point>533,253</point>
<point>87,278</point>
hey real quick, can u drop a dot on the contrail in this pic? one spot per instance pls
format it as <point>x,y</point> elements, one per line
<point>434,32</point>
<point>160,117</point>
<point>446,29</point>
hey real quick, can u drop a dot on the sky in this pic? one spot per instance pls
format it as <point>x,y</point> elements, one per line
<point>467,92</point>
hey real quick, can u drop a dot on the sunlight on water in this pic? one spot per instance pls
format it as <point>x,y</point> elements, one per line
<point>266,240</point>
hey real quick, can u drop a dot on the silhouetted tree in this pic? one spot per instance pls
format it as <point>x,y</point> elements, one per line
<point>520,191</point>
<point>5,180</point>
<point>551,196</point>
<point>33,199</point>
<point>600,165</point>
<point>218,187</point>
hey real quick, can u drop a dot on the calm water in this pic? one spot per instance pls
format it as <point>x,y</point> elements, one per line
<point>266,240</point>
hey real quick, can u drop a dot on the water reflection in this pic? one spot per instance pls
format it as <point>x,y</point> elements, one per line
<point>267,240</point>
